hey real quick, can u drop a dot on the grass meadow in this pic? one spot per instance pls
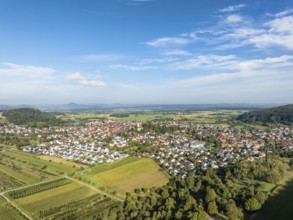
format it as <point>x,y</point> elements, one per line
<point>136,173</point>
<point>280,203</point>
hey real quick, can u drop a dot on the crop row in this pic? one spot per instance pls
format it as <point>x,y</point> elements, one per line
<point>38,188</point>
<point>78,208</point>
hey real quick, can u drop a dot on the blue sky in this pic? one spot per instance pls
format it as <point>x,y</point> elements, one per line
<point>146,51</point>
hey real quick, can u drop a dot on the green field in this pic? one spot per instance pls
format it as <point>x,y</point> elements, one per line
<point>196,116</point>
<point>59,196</point>
<point>280,204</point>
<point>32,160</point>
<point>2,118</point>
<point>8,182</point>
<point>129,174</point>
<point>259,127</point>
<point>19,168</point>
<point>8,212</point>
<point>63,161</point>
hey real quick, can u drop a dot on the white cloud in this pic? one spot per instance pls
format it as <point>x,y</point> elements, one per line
<point>79,79</point>
<point>232,19</point>
<point>266,63</point>
<point>169,41</point>
<point>277,32</point>
<point>285,12</point>
<point>132,68</point>
<point>244,32</point>
<point>101,57</point>
<point>281,25</point>
<point>145,62</point>
<point>207,61</point>
<point>250,74</point>
<point>82,80</point>
<point>25,70</point>
<point>176,53</point>
<point>232,8</point>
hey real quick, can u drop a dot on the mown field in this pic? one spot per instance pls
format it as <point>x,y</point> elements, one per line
<point>128,174</point>
<point>280,203</point>
<point>8,212</point>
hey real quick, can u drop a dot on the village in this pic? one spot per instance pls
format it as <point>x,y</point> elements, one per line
<point>179,147</point>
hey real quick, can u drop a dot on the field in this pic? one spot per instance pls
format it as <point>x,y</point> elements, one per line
<point>33,160</point>
<point>59,196</point>
<point>197,116</point>
<point>62,161</point>
<point>19,168</point>
<point>8,182</point>
<point>8,212</point>
<point>128,174</point>
<point>279,204</point>
<point>259,127</point>
<point>2,118</point>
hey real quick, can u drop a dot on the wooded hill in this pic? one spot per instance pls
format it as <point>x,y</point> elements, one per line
<point>23,116</point>
<point>282,114</point>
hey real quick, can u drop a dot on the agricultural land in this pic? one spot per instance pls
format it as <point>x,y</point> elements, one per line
<point>133,165</point>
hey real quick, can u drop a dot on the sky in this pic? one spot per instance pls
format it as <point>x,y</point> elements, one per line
<point>146,51</point>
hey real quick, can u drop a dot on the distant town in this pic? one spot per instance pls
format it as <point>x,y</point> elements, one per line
<point>179,147</point>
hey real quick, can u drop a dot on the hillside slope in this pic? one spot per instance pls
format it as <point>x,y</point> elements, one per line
<point>27,115</point>
<point>282,114</point>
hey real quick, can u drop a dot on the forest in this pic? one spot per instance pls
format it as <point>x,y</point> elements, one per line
<point>29,116</point>
<point>282,114</point>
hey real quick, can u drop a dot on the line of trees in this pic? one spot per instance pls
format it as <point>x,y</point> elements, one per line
<point>38,188</point>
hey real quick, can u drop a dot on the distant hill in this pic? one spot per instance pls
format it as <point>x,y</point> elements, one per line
<point>23,116</point>
<point>282,114</point>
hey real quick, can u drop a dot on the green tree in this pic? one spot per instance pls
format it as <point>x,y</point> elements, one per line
<point>233,212</point>
<point>212,208</point>
<point>252,204</point>
<point>211,195</point>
